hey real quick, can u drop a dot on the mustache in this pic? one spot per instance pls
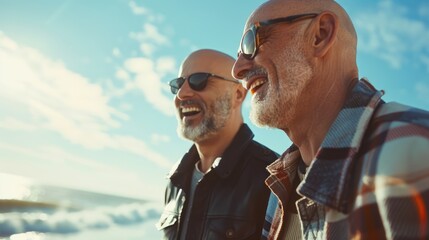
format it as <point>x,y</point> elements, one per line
<point>189,102</point>
<point>255,72</point>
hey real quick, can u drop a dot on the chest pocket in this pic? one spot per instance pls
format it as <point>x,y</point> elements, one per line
<point>232,228</point>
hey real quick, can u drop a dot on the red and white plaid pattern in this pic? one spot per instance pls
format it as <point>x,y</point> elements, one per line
<point>369,180</point>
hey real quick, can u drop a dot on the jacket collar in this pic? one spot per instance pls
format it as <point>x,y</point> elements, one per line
<point>232,155</point>
<point>330,176</point>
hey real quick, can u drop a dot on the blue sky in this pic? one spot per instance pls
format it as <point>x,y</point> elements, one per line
<point>84,101</point>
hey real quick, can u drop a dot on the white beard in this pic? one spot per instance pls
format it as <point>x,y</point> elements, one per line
<point>279,104</point>
<point>214,119</point>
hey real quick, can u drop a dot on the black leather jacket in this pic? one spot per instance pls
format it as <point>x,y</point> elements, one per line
<point>231,199</point>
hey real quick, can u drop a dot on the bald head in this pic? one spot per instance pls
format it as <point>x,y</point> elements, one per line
<point>278,8</point>
<point>283,8</point>
<point>340,53</point>
<point>208,60</point>
<point>293,67</point>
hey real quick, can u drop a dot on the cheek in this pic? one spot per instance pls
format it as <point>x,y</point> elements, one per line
<point>176,102</point>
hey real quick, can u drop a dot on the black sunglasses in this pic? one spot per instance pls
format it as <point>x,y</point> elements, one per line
<point>249,43</point>
<point>197,81</point>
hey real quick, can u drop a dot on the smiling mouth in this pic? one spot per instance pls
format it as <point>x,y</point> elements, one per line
<point>190,111</point>
<point>256,85</point>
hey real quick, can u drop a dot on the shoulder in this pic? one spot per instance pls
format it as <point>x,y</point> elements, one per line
<point>393,112</point>
<point>398,122</point>
<point>398,139</point>
<point>261,152</point>
<point>395,158</point>
<point>173,168</point>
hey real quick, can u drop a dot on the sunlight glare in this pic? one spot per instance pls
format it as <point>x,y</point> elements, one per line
<point>14,187</point>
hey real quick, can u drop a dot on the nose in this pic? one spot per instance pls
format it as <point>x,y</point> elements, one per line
<point>185,91</point>
<point>241,67</point>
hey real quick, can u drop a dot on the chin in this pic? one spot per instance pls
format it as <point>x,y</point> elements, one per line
<point>262,118</point>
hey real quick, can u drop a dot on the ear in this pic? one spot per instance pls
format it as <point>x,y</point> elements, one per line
<point>240,95</point>
<point>325,33</point>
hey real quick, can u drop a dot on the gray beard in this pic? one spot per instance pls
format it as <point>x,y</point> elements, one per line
<point>279,105</point>
<point>214,119</point>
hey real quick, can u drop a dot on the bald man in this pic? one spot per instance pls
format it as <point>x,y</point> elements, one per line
<point>358,167</point>
<point>217,190</point>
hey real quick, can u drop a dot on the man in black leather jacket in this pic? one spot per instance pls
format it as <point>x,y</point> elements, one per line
<point>217,190</point>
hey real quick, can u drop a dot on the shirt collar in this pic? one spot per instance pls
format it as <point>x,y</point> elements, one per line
<point>329,177</point>
<point>224,168</point>
<point>214,165</point>
<point>234,152</point>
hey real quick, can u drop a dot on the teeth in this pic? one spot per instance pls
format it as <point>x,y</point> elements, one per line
<point>190,109</point>
<point>257,83</point>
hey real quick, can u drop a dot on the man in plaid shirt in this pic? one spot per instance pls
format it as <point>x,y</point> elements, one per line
<point>358,167</point>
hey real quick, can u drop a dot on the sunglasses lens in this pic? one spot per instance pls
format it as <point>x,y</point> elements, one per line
<point>248,44</point>
<point>176,84</point>
<point>198,81</point>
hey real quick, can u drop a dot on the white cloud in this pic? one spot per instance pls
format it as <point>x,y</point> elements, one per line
<point>140,10</point>
<point>138,65</point>
<point>146,73</point>
<point>147,48</point>
<point>7,43</point>
<point>16,124</point>
<point>188,44</point>
<point>387,31</point>
<point>159,18</point>
<point>149,71</point>
<point>126,107</point>
<point>150,33</point>
<point>122,74</point>
<point>148,80</point>
<point>166,65</point>
<point>50,97</point>
<point>158,138</point>
<point>140,148</point>
<point>137,10</point>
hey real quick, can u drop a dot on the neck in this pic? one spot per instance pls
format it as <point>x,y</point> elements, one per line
<point>214,147</point>
<point>310,126</point>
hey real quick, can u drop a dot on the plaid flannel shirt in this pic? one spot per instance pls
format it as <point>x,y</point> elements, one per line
<point>369,179</point>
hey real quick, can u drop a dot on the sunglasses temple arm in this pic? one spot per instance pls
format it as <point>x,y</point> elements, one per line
<point>239,81</point>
